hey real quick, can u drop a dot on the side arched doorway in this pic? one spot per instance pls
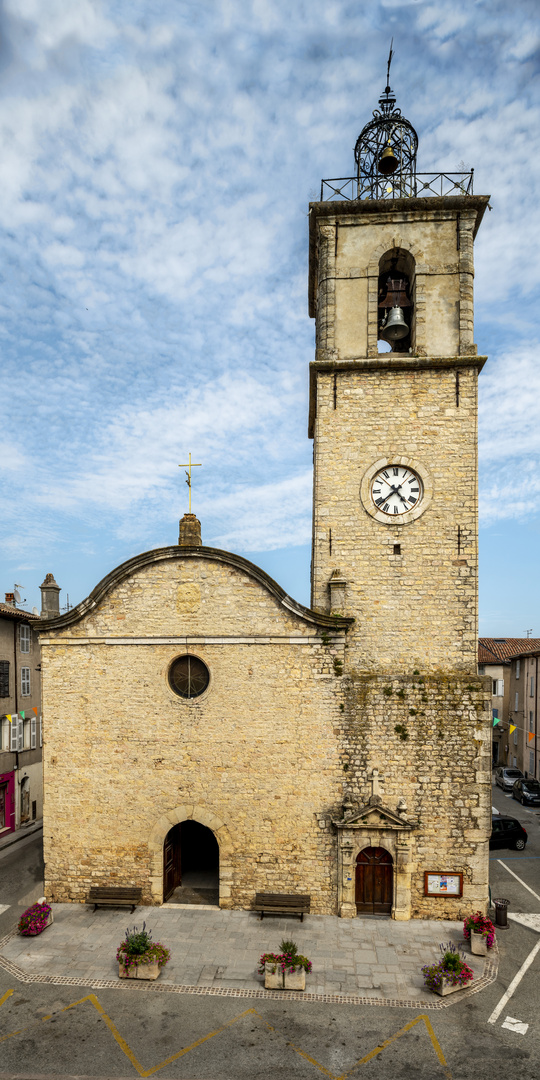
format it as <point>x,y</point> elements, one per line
<point>374,881</point>
<point>191,865</point>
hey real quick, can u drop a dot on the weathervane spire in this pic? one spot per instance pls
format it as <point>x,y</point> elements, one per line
<point>390,55</point>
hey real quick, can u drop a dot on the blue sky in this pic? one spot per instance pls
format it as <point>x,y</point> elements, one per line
<point>156,167</point>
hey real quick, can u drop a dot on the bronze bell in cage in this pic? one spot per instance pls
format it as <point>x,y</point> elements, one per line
<point>388,162</point>
<point>394,326</point>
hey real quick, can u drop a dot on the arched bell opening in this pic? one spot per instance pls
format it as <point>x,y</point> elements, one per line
<point>374,882</point>
<point>191,865</point>
<point>395,301</point>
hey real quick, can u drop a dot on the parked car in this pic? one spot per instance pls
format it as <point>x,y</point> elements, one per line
<point>507,832</point>
<point>527,792</point>
<point>506,778</point>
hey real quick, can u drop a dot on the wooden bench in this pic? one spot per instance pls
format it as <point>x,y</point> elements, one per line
<point>282,904</point>
<point>108,896</point>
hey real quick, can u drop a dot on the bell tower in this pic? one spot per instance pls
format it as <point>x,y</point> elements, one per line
<point>393,403</point>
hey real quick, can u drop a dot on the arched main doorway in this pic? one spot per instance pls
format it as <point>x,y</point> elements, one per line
<point>191,865</point>
<point>374,881</point>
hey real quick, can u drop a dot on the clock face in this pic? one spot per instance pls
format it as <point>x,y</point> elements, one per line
<point>395,490</point>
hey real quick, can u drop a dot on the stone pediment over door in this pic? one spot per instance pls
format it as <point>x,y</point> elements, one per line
<point>374,816</point>
<point>374,826</point>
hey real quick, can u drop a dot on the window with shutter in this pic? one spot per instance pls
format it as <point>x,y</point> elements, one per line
<point>4,678</point>
<point>25,681</point>
<point>14,733</point>
<point>516,702</point>
<point>24,638</point>
<point>20,741</point>
<point>518,666</point>
<point>515,737</point>
<point>532,685</point>
<point>500,687</point>
<point>40,732</point>
<point>33,733</point>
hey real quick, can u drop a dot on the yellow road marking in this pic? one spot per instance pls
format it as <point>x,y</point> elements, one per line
<point>205,1038</point>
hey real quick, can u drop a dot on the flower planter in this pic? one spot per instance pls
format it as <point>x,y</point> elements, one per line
<point>295,980</point>
<point>478,943</point>
<point>139,971</point>
<point>447,987</point>
<point>273,977</point>
<point>34,933</point>
<point>38,929</point>
<point>276,979</point>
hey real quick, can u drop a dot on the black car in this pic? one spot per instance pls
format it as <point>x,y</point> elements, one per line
<point>507,832</point>
<point>527,792</point>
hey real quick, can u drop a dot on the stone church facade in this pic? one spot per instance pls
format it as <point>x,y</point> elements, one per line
<point>340,751</point>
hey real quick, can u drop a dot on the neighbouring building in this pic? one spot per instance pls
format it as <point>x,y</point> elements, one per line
<point>21,780</point>
<point>342,750</point>
<point>494,658</point>
<point>21,738</point>
<point>524,711</point>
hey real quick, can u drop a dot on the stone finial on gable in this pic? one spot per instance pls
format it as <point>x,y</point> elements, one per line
<point>337,586</point>
<point>190,531</point>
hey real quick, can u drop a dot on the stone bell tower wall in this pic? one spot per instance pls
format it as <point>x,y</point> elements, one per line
<point>410,584</point>
<point>418,607</point>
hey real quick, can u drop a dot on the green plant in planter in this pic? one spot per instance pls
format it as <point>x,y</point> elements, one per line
<point>34,919</point>
<point>481,925</point>
<point>288,959</point>
<point>138,948</point>
<point>452,969</point>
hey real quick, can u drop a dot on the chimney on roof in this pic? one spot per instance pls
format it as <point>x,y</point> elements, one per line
<point>190,531</point>
<point>10,599</point>
<point>50,598</point>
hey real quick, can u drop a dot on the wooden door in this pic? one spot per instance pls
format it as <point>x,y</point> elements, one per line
<point>171,862</point>
<point>374,881</point>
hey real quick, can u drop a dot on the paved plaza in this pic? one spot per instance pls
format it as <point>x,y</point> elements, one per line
<point>376,958</point>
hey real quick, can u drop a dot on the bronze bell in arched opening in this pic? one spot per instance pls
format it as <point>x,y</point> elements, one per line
<point>394,327</point>
<point>388,162</point>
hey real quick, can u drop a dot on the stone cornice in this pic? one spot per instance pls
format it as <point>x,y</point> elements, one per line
<point>126,569</point>
<point>383,362</point>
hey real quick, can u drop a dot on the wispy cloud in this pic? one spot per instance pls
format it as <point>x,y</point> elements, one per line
<point>156,167</point>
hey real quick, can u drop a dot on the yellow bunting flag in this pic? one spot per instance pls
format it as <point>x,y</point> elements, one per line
<point>34,709</point>
<point>531,735</point>
<point>8,717</point>
<point>512,728</point>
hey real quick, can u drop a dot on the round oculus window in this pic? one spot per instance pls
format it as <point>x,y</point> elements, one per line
<point>188,676</point>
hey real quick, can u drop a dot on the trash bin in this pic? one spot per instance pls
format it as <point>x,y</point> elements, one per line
<point>501,913</point>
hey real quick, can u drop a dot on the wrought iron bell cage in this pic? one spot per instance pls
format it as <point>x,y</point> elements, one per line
<point>391,135</point>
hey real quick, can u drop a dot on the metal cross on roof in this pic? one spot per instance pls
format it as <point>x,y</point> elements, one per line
<point>190,465</point>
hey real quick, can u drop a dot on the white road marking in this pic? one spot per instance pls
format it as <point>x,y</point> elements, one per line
<point>3,907</point>
<point>515,1025</point>
<point>526,919</point>
<point>521,882</point>
<point>514,984</point>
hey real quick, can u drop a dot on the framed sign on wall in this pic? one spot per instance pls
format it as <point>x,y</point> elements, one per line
<point>437,884</point>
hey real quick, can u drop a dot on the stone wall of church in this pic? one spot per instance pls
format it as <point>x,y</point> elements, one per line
<point>258,751</point>
<point>417,608</point>
<point>430,738</point>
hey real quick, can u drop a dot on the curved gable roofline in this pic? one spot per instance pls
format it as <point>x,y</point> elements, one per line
<point>120,573</point>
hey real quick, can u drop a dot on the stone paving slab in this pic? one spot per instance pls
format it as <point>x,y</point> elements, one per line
<point>213,947</point>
